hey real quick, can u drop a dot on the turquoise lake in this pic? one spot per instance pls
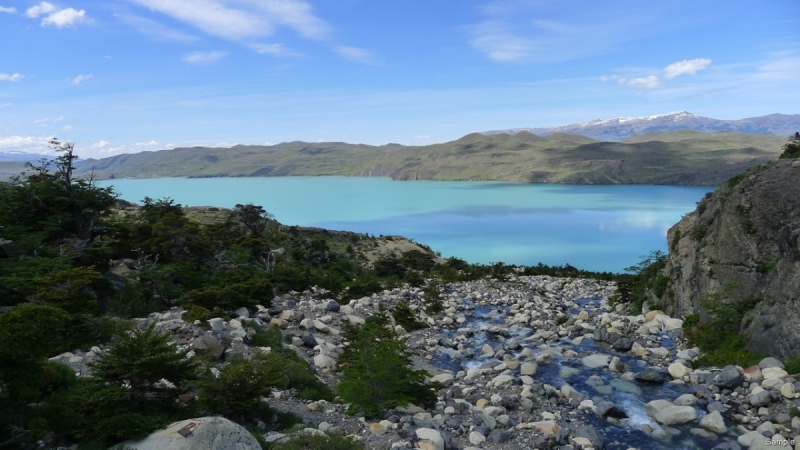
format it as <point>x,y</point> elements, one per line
<point>603,228</point>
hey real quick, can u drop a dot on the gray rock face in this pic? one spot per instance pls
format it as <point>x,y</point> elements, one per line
<point>746,234</point>
<point>208,433</point>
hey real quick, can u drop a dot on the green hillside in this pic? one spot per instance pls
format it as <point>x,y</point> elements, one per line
<point>681,158</point>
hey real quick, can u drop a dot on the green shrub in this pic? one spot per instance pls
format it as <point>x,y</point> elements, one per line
<point>791,149</point>
<point>377,372</point>
<point>660,285</point>
<point>736,179</point>
<point>268,337</point>
<point>126,397</point>
<point>719,337</point>
<point>675,239</point>
<point>794,411</point>
<point>197,312</point>
<point>363,286</point>
<point>433,297</point>
<point>308,441</point>
<point>241,384</point>
<point>404,317</point>
<point>792,366</point>
<point>561,320</point>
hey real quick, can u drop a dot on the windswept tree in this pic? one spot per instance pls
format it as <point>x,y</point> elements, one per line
<point>791,149</point>
<point>253,217</point>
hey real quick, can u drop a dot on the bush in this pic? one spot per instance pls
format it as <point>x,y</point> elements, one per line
<point>241,384</point>
<point>404,317</point>
<point>377,370</point>
<point>792,366</point>
<point>197,312</point>
<point>309,441</point>
<point>133,389</point>
<point>268,337</point>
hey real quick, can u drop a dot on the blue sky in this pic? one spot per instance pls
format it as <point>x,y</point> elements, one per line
<point>120,76</point>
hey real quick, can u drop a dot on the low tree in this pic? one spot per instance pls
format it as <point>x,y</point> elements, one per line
<point>253,217</point>
<point>377,370</point>
<point>791,149</point>
<point>134,387</point>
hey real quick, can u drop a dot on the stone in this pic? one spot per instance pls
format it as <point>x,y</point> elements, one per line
<point>616,365</point>
<point>324,361</point>
<point>774,372</point>
<point>501,380</point>
<point>685,400</point>
<point>652,375</point>
<point>432,436</point>
<point>446,379</point>
<point>788,391</point>
<point>546,427</point>
<point>759,399</point>
<point>572,394</point>
<point>476,438</point>
<point>309,340</point>
<point>747,439</point>
<point>730,445</point>
<point>595,361</point>
<point>498,436</point>
<point>528,369</point>
<point>676,415</point>
<point>729,377</point>
<point>590,433</point>
<point>655,406</point>
<point>333,306</point>
<point>622,344</point>
<point>208,344</point>
<point>678,370</point>
<point>609,409</point>
<point>487,350</point>
<point>216,324</point>
<point>208,433</point>
<point>770,362</point>
<point>242,312</point>
<point>714,422</point>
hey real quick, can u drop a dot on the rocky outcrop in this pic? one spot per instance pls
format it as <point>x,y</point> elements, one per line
<point>745,235</point>
<point>204,433</point>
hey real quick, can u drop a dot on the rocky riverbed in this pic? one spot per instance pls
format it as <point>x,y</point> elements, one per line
<point>527,363</point>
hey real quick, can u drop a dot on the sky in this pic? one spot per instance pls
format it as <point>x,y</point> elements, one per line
<point>122,76</point>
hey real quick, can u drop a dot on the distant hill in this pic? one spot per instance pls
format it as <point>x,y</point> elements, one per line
<point>15,156</point>
<point>678,158</point>
<point>623,128</point>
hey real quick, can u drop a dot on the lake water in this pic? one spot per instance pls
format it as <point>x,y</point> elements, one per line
<point>603,228</point>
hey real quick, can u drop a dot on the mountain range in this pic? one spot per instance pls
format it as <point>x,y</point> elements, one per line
<point>676,157</point>
<point>621,128</point>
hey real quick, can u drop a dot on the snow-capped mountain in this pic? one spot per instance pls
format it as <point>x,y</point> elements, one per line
<point>624,127</point>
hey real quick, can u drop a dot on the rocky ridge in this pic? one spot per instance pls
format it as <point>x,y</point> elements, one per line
<point>532,362</point>
<point>745,235</point>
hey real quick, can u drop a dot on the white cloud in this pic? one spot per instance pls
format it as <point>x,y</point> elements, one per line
<point>781,68</point>
<point>687,66</point>
<point>67,128</point>
<point>203,57</point>
<point>58,119</point>
<point>80,79</point>
<point>497,43</point>
<point>41,122</point>
<point>100,145</point>
<point>643,82</point>
<point>59,18</point>
<point>42,8</point>
<point>243,19</point>
<point>8,9</point>
<point>355,54</point>
<point>103,148</point>
<point>154,29</point>
<point>10,77</point>
<point>27,144</point>
<point>272,49</point>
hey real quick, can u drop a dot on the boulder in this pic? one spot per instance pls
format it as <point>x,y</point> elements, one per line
<point>654,407</point>
<point>595,361</point>
<point>203,433</point>
<point>770,362</point>
<point>678,370</point>
<point>788,390</point>
<point>714,422</point>
<point>609,409</point>
<point>676,415</point>
<point>433,438</point>
<point>590,433</point>
<point>324,361</point>
<point>729,377</point>
<point>528,369</point>
<point>762,398</point>
<point>208,345</point>
<point>652,375</point>
<point>622,344</point>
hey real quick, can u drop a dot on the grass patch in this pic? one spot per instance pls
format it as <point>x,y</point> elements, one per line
<point>792,366</point>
